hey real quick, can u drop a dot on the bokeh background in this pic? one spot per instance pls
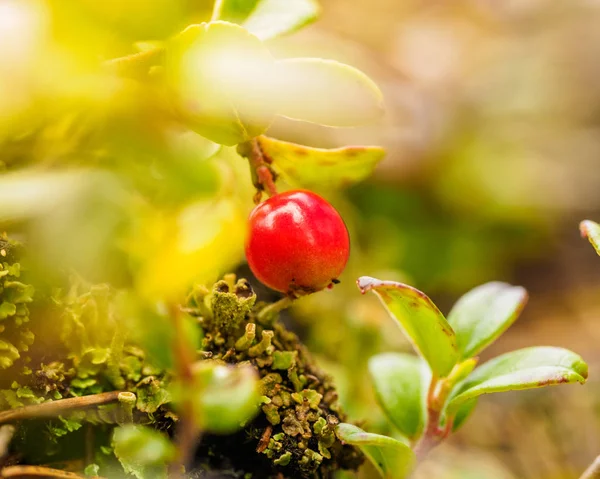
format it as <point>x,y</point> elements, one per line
<point>492,131</point>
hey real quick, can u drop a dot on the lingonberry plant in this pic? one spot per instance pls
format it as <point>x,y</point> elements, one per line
<point>126,347</point>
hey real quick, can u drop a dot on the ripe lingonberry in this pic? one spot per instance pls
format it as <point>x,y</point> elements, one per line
<point>297,243</point>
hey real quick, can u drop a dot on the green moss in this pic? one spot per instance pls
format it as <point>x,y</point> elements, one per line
<point>299,406</point>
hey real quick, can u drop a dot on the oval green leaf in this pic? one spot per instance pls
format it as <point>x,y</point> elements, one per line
<point>392,459</point>
<point>326,92</point>
<point>318,168</point>
<point>400,382</point>
<point>591,231</point>
<point>143,452</point>
<point>221,75</point>
<point>421,321</point>
<point>523,369</point>
<point>483,314</point>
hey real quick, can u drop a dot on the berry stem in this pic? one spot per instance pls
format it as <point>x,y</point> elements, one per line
<point>263,176</point>
<point>266,314</point>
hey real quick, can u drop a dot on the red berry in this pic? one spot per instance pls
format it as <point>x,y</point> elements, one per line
<point>297,242</point>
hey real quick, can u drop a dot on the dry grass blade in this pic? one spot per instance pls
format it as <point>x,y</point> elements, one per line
<point>55,408</point>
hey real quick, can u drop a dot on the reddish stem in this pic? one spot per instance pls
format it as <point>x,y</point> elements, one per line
<point>263,176</point>
<point>434,434</point>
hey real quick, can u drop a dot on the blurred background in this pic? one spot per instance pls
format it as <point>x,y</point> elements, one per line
<point>492,132</point>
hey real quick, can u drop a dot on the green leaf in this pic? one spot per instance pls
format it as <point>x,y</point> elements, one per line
<point>91,470</point>
<point>463,413</point>
<point>272,18</point>
<point>326,92</point>
<point>483,314</point>
<point>143,452</point>
<point>400,382</point>
<point>221,74</point>
<point>392,459</point>
<point>267,18</point>
<point>321,168</point>
<point>235,11</point>
<point>523,369</point>
<point>225,397</point>
<point>591,230</point>
<point>421,320</point>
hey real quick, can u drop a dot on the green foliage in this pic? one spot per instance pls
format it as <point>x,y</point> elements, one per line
<point>392,459</point>
<point>15,295</point>
<point>220,71</point>
<point>321,84</point>
<point>420,319</point>
<point>318,168</point>
<point>400,382</point>
<point>476,320</point>
<point>267,18</point>
<point>143,452</point>
<point>523,369</point>
<point>483,314</point>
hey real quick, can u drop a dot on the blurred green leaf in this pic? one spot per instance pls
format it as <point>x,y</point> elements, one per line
<point>143,452</point>
<point>321,168</point>
<point>225,397</point>
<point>267,18</point>
<point>392,459</point>
<point>591,230</point>
<point>523,369</point>
<point>326,92</point>
<point>483,314</point>
<point>220,72</point>
<point>400,382</point>
<point>420,319</point>
<point>272,18</point>
<point>235,11</point>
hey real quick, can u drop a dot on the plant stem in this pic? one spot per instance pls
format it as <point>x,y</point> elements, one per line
<point>188,433</point>
<point>592,472</point>
<point>39,471</point>
<point>263,177</point>
<point>55,408</point>
<point>274,308</point>
<point>434,434</point>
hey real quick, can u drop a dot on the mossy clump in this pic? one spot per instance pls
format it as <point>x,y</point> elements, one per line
<point>85,346</point>
<point>295,430</point>
<point>15,295</point>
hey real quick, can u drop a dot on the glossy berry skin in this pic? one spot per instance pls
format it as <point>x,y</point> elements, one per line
<point>297,243</point>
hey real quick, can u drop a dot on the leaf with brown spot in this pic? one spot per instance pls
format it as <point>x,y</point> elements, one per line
<point>318,168</point>
<point>421,321</point>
